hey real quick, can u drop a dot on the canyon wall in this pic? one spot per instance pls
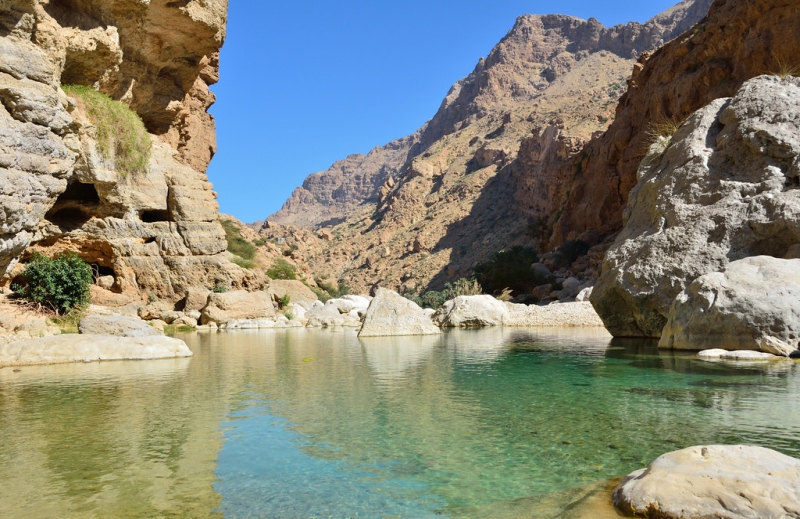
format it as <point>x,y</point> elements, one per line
<point>155,230</point>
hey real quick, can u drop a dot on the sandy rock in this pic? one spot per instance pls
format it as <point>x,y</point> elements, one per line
<point>118,325</point>
<point>343,306</point>
<point>754,304</point>
<point>66,348</point>
<point>391,314</point>
<point>567,315</point>
<point>472,312</point>
<point>296,290</point>
<point>714,481</point>
<point>324,316</point>
<point>238,304</point>
<point>723,190</point>
<point>105,282</point>
<point>196,299</point>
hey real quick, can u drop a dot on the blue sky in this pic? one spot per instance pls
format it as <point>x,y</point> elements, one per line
<point>308,82</point>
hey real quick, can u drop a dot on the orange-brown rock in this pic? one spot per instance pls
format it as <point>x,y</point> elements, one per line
<point>735,42</point>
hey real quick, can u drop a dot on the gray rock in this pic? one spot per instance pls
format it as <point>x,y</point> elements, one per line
<point>60,349</point>
<point>584,295</point>
<point>117,325</point>
<point>714,482</point>
<point>324,316</point>
<point>726,188</point>
<point>754,304</point>
<point>391,314</point>
<point>472,312</point>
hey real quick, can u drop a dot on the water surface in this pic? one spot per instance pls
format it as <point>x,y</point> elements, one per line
<point>302,424</point>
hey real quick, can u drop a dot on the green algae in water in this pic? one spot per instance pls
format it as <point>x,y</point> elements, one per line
<point>468,424</point>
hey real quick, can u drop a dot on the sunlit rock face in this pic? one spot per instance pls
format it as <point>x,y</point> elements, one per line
<point>155,231</point>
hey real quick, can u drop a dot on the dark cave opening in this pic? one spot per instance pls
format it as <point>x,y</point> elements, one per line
<point>154,216</point>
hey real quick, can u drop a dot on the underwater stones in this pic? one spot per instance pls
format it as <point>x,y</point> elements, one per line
<point>391,314</point>
<point>714,482</point>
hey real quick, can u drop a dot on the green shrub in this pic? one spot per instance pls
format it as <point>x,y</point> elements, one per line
<point>236,243</point>
<point>510,269</point>
<point>220,288</point>
<point>61,283</point>
<point>334,290</point>
<point>284,301</point>
<point>121,135</point>
<point>435,299</point>
<point>282,269</point>
<point>244,263</point>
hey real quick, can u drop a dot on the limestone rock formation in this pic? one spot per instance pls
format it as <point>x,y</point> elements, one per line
<point>61,349</point>
<point>154,231</point>
<point>727,187</point>
<point>117,325</point>
<point>296,290</point>
<point>737,41</point>
<point>714,481</point>
<point>426,209</point>
<point>754,304</point>
<point>238,304</point>
<point>391,314</point>
<point>472,312</point>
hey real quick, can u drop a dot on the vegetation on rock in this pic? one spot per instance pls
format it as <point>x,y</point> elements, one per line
<point>60,283</point>
<point>510,268</point>
<point>237,244</point>
<point>435,299</point>
<point>121,134</point>
<point>282,269</point>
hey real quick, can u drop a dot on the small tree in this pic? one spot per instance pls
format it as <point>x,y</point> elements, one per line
<point>62,282</point>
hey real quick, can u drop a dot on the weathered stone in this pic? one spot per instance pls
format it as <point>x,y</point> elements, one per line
<point>754,304</point>
<point>196,299</point>
<point>324,316</point>
<point>238,304</point>
<point>472,312</point>
<point>60,349</point>
<point>391,314</point>
<point>118,325</point>
<point>727,187</point>
<point>714,482</point>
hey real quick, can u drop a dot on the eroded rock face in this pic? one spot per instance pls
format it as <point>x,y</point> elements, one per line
<point>117,325</point>
<point>727,187</point>
<point>155,232</point>
<point>735,42</point>
<point>714,481</point>
<point>753,305</point>
<point>237,305</point>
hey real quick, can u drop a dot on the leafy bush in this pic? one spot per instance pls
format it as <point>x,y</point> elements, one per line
<point>61,283</point>
<point>121,135</point>
<point>510,269</point>
<point>282,269</point>
<point>435,300</point>
<point>334,290</point>
<point>220,288</point>
<point>236,243</point>
<point>244,263</point>
<point>284,301</point>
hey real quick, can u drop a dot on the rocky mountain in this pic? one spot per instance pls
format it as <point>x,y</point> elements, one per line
<point>65,188</point>
<point>517,71</point>
<point>425,209</point>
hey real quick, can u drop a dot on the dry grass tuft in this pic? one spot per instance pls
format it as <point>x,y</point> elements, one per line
<point>784,68</point>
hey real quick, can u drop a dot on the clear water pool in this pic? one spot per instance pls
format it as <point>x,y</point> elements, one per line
<point>320,424</point>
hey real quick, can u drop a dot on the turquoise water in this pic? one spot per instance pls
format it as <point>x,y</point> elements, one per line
<point>313,424</point>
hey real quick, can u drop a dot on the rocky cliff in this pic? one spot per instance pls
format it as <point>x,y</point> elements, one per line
<point>735,42</point>
<point>424,210</point>
<point>538,50</point>
<point>154,227</point>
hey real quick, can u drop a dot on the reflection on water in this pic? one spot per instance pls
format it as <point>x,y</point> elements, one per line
<point>301,423</point>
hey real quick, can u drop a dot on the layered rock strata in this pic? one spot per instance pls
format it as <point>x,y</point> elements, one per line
<point>155,231</point>
<point>726,187</point>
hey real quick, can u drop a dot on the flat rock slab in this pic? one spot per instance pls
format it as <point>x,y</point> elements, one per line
<point>737,355</point>
<point>118,325</point>
<point>714,482</point>
<point>60,349</point>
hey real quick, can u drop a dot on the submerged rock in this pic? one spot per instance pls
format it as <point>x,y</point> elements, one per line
<point>118,325</point>
<point>61,349</point>
<point>714,482</point>
<point>391,314</point>
<point>754,304</point>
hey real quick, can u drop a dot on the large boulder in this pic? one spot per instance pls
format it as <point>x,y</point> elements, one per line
<point>754,304</point>
<point>60,349</point>
<point>391,314</point>
<point>472,312</point>
<point>118,325</point>
<point>714,482</point>
<point>238,304</point>
<point>296,290</point>
<point>726,187</point>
